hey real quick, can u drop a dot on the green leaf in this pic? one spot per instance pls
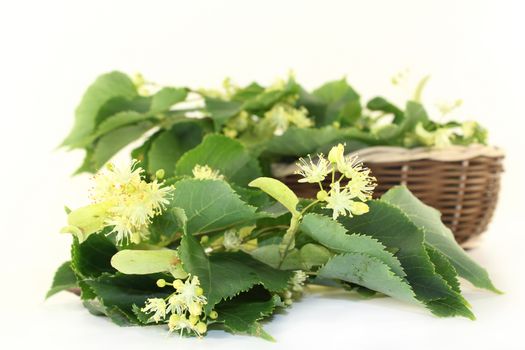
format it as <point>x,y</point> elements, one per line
<point>439,236</point>
<point>168,146</point>
<point>220,110</point>
<point>369,272</point>
<point>333,235</point>
<point>241,316</point>
<point>107,86</point>
<point>144,262</point>
<point>259,199</point>
<point>279,191</point>
<point>414,114</point>
<point>314,255</point>
<point>342,103</point>
<point>444,268</point>
<point>140,153</point>
<point>167,97</point>
<point>119,293</point>
<point>64,279</point>
<point>116,105</point>
<point>268,98</point>
<point>303,141</point>
<point>164,228</point>
<point>211,205</point>
<point>381,104</point>
<point>224,275</point>
<point>393,228</point>
<point>221,153</point>
<point>92,257</point>
<point>248,92</point>
<point>270,255</point>
<point>119,120</point>
<point>109,144</point>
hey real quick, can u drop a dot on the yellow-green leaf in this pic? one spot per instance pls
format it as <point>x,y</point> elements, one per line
<point>279,191</point>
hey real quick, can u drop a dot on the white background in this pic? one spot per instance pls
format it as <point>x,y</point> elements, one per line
<point>51,50</point>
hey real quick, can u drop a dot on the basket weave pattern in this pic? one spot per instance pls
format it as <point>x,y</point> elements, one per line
<point>464,191</point>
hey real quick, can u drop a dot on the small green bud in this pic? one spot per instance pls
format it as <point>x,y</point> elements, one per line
<point>213,315</point>
<point>322,195</point>
<point>288,302</point>
<point>160,174</point>
<point>205,239</point>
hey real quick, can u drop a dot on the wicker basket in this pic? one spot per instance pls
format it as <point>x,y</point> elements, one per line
<point>461,182</point>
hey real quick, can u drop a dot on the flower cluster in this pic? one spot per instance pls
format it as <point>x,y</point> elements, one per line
<point>204,172</point>
<point>355,181</point>
<point>183,309</point>
<point>131,201</point>
<point>296,287</point>
<point>281,116</point>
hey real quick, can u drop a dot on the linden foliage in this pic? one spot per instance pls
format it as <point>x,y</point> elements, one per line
<point>280,122</point>
<point>200,251</point>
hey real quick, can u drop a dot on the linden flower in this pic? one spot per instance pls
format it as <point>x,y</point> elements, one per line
<point>282,115</point>
<point>340,201</point>
<point>158,307</point>
<point>181,323</point>
<point>189,296</point>
<point>132,202</point>
<point>347,167</point>
<point>232,240</point>
<point>299,118</point>
<point>204,172</point>
<point>362,185</point>
<point>297,281</point>
<point>313,172</point>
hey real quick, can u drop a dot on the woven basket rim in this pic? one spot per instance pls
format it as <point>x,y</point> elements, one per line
<point>389,154</point>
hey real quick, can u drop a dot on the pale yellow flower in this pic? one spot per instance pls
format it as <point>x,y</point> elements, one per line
<point>313,172</point>
<point>340,201</point>
<point>132,202</point>
<point>204,172</point>
<point>361,184</point>
<point>158,307</point>
<point>189,296</point>
<point>181,323</point>
<point>297,281</point>
<point>232,240</point>
<point>283,115</point>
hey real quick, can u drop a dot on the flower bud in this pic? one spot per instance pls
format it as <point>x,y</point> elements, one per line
<point>194,319</point>
<point>159,174</point>
<point>322,195</point>
<point>213,315</point>
<point>201,327</point>
<point>161,283</point>
<point>178,284</point>
<point>336,154</point>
